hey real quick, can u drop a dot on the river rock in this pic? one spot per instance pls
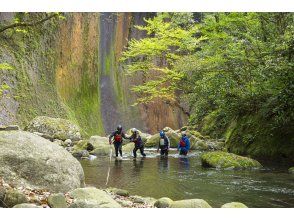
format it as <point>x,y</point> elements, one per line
<point>219,159</point>
<point>27,205</point>
<point>95,197</point>
<point>14,197</point>
<point>120,192</point>
<point>190,203</point>
<point>291,170</point>
<point>57,201</point>
<point>100,145</point>
<point>67,143</point>
<point>164,202</point>
<point>30,160</point>
<point>234,205</point>
<point>56,128</point>
<point>84,204</point>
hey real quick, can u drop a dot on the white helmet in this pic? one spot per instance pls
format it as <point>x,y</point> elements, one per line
<point>133,130</point>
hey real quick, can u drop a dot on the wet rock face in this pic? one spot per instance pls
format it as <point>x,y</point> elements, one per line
<point>219,159</point>
<point>54,128</point>
<point>27,159</point>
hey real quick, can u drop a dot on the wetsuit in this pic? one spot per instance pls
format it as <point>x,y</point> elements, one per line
<point>136,138</point>
<point>164,145</point>
<point>184,145</point>
<point>118,140</point>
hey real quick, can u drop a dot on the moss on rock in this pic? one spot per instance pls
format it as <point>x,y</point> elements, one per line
<point>234,205</point>
<point>219,159</point>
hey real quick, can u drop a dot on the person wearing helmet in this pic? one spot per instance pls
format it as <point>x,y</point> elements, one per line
<point>136,138</point>
<point>116,138</point>
<point>164,144</point>
<point>184,144</point>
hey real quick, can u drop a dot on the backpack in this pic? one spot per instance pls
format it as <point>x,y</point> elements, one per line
<point>118,138</point>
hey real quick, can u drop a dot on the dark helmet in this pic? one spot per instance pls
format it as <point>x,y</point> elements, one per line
<point>119,128</point>
<point>161,133</point>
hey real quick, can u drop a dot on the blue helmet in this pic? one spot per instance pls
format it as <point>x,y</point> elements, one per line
<point>161,133</point>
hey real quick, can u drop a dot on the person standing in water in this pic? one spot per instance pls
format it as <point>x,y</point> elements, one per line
<point>136,138</point>
<point>117,136</point>
<point>164,144</point>
<point>184,144</point>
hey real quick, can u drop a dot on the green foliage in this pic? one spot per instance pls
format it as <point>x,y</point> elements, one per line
<point>155,55</point>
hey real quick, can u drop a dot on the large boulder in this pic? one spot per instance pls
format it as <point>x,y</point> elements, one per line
<point>30,160</point>
<point>55,128</point>
<point>190,203</point>
<point>14,197</point>
<point>164,202</point>
<point>96,198</point>
<point>291,170</point>
<point>219,159</point>
<point>234,205</point>
<point>100,145</point>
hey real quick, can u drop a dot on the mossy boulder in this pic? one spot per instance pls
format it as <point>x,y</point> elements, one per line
<point>55,128</point>
<point>190,203</point>
<point>153,141</point>
<point>57,201</point>
<point>291,170</point>
<point>27,205</point>
<point>30,160</point>
<point>219,159</point>
<point>14,197</point>
<point>164,202</point>
<point>234,205</point>
<point>143,135</point>
<point>94,197</point>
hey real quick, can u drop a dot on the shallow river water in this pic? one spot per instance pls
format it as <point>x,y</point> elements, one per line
<point>184,178</point>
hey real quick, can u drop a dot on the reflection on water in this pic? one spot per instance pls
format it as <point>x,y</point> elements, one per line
<point>183,178</point>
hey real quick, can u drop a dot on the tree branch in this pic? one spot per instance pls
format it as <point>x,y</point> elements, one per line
<point>22,24</point>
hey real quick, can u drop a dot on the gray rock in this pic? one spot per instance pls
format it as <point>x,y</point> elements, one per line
<point>57,201</point>
<point>27,205</point>
<point>190,203</point>
<point>164,202</point>
<point>234,205</point>
<point>56,128</point>
<point>14,197</point>
<point>30,160</point>
<point>9,128</point>
<point>84,204</point>
<point>59,142</point>
<point>291,170</point>
<point>94,197</point>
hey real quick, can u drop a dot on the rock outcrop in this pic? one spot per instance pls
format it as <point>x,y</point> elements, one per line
<point>30,160</point>
<point>219,159</point>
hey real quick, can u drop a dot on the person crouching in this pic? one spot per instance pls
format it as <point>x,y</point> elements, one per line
<point>136,138</point>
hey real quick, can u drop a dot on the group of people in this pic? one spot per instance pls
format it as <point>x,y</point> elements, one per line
<point>116,138</point>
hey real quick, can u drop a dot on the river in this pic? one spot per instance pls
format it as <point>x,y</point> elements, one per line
<point>184,178</point>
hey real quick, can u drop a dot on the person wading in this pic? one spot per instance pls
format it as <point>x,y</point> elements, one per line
<point>164,144</point>
<point>184,144</point>
<point>136,138</point>
<point>117,136</point>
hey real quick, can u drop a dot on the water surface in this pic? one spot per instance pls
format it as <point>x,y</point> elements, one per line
<point>184,178</point>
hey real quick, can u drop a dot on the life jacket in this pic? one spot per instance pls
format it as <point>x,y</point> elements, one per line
<point>182,143</point>
<point>118,138</point>
<point>162,142</point>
